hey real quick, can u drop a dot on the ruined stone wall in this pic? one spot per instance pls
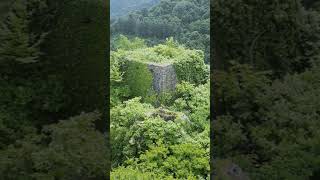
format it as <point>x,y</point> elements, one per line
<point>164,77</point>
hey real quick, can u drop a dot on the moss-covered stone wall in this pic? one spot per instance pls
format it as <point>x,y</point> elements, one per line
<point>164,77</point>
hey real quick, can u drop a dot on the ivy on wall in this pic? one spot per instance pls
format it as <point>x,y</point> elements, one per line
<point>138,78</point>
<point>133,63</point>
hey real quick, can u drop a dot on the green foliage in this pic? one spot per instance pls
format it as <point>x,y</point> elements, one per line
<point>122,118</point>
<point>67,150</point>
<point>189,64</point>
<point>195,102</point>
<point>118,89</point>
<point>182,161</point>
<point>266,102</point>
<point>134,128</point>
<point>122,173</point>
<point>191,68</point>
<point>278,119</point>
<point>18,43</point>
<point>168,52</point>
<point>75,49</point>
<point>115,73</point>
<point>139,131</point>
<point>4,9</point>
<point>122,42</point>
<point>164,98</point>
<point>138,78</point>
<point>169,18</point>
<point>283,40</point>
<point>40,84</point>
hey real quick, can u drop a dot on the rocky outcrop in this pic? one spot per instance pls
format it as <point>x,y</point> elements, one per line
<point>164,77</point>
<point>165,114</point>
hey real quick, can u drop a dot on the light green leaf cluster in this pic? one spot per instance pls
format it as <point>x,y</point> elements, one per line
<point>169,52</point>
<point>123,173</point>
<point>122,42</point>
<point>183,161</point>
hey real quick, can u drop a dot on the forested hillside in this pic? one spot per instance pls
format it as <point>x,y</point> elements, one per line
<point>186,21</point>
<point>160,93</point>
<point>122,7</point>
<point>266,88</point>
<point>52,54</point>
<point>4,8</point>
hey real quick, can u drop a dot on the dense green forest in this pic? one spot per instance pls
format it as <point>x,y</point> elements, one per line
<point>160,135</point>
<point>186,21</point>
<point>122,7</point>
<point>52,86</point>
<point>265,85</point>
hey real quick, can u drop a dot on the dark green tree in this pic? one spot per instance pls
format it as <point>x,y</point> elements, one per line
<point>266,62</point>
<point>70,149</point>
<point>18,43</point>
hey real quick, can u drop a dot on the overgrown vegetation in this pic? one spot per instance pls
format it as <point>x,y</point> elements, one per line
<point>51,90</point>
<point>187,21</point>
<point>138,78</point>
<point>265,87</point>
<point>161,135</point>
<point>158,135</point>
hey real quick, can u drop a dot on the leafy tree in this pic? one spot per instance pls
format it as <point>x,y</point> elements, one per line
<point>195,102</point>
<point>122,7</point>
<point>131,59</point>
<point>275,41</point>
<point>75,49</point>
<point>67,150</point>
<point>122,173</point>
<point>181,161</point>
<point>122,42</point>
<point>18,43</point>
<point>161,135</point>
<point>261,121</point>
<point>186,11</point>
<point>263,110</point>
<point>135,127</point>
<point>181,121</point>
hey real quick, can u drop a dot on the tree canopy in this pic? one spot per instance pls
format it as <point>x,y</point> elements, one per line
<point>265,89</point>
<point>51,54</point>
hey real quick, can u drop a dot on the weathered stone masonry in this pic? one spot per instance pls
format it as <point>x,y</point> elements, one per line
<point>164,77</point>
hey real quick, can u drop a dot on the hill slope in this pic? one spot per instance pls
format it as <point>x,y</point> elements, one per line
<point>122,7</point>
<point>186,21</point>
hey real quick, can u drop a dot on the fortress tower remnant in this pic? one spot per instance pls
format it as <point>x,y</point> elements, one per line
<point>164,77</point>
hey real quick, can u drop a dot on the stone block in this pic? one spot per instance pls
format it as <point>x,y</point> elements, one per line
<point>164,77</point>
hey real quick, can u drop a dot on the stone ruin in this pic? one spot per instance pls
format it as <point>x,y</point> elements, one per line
<point>168,115</point>
<point>164,77</point>
<point>165,114</point>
